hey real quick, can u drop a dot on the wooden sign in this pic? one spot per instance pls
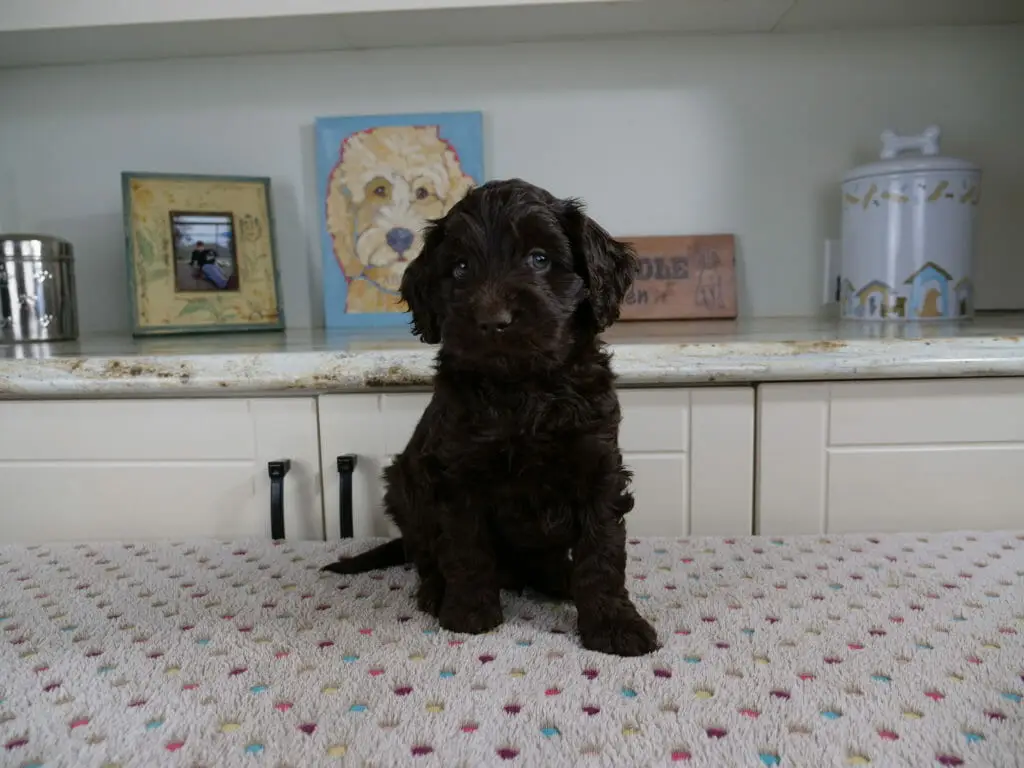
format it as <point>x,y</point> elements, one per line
<point>683,277</point>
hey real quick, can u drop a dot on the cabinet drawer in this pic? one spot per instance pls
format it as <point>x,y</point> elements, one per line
<point>193,430</point>
<point>895,490</point>
<point>926,412</point>
<point>143,469</point>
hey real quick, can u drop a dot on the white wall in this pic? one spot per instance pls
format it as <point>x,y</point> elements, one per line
<point>744,134</point>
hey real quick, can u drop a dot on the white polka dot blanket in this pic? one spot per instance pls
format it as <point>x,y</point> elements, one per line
<point>896,650</point>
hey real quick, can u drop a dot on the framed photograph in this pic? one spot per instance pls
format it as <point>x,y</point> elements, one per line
<point>201,254</point>
<point>380,178</point>
<point>683,277</point>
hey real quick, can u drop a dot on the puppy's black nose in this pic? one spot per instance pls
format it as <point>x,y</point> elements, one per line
<point>495,321</point>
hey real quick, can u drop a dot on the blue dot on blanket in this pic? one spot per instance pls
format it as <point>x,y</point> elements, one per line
<point>769,759</point>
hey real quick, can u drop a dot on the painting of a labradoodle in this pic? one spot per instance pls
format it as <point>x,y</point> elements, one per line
<point>382,178</point>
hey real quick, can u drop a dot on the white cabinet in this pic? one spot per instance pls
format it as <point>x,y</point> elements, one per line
<point>147,469</point>
<point>890,456</point>
<point>691,452</point>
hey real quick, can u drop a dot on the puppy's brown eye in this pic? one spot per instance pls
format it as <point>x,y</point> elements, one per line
<point>539,259</point>
<point>422,193</point>
<point>460,269</point>
<point>380,191</point>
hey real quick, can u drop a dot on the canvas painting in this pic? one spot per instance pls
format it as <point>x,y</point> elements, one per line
<point>380,178</point>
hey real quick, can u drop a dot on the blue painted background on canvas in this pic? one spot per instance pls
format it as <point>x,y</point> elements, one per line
<point>462,130</point>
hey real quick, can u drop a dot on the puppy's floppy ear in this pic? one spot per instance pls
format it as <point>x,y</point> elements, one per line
<point>421,288</point>
<point>607,266</point>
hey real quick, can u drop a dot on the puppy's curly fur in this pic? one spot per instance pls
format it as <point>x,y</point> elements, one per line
<point>513,477</point>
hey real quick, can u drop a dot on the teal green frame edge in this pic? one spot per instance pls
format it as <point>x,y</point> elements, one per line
<point>168,330</point>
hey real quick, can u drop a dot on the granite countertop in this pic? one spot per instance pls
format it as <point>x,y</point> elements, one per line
<point>645,353</point>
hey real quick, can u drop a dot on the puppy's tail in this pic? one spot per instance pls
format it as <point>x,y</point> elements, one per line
<point>385,556</point>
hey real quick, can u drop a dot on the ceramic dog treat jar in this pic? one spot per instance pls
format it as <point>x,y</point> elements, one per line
<point>908,233</point>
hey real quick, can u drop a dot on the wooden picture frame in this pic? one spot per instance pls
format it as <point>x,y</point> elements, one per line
<point>201,254</point>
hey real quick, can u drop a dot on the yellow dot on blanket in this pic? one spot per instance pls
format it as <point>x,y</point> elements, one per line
<point>330,689</point>
<point>518,673</point>
<point>912,715</point>
<point>630,730</point>
<point>703,694</point>
<point>173,670</point>
<point>230,727</point>
<point>435,707</point>
<point>416,657</point>
<point>761,660</point>
<point>337,750</point>
<point>858,760</point>
<point>956,677</point>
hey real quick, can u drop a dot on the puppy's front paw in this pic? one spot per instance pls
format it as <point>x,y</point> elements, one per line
<point>470,616</point>
<point>628,635</point>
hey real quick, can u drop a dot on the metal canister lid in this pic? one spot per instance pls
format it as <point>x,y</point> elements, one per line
<point>31,247</point>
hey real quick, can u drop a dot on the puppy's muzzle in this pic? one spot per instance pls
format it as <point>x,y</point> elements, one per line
<point>494,319</point>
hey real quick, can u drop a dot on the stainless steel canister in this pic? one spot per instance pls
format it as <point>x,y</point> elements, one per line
<point>37,289</point>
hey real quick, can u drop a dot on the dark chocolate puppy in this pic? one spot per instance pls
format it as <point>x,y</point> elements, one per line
<point>513,477</point>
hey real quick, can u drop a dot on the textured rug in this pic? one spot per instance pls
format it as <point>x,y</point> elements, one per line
<point>845,650</point>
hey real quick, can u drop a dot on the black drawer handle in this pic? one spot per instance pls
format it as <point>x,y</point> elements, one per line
<point>277,471</point>
<point>346,466</point>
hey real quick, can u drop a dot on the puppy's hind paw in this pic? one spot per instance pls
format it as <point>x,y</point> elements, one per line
<point>630,636</point>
